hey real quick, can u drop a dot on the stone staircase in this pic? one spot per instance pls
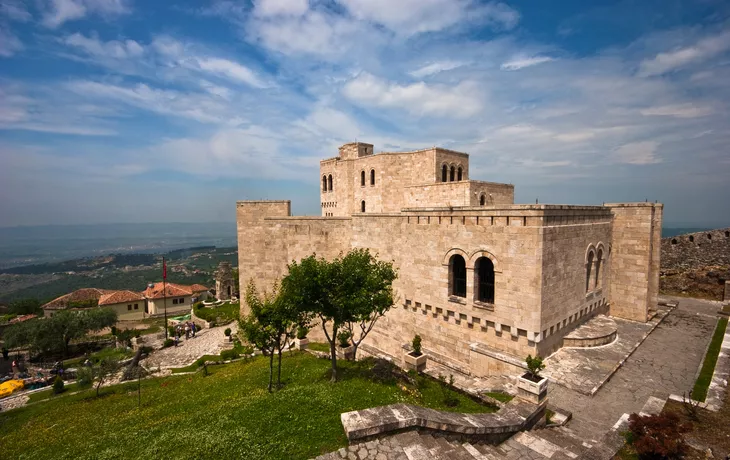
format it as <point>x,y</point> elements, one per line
<point>557,443</point>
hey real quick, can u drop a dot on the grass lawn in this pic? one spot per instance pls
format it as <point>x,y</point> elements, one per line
<point>319,346</point>
<point>45,394</point>
<point>699,392</point>
<point>119,353</point>
<point>228,414</point>
<point>224,314</point>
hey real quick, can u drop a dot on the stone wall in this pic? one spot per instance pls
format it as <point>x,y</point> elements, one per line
<point>634,253</point>
<point>696,250</point>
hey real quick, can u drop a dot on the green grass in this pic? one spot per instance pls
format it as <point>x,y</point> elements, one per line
<point>194,366</point>
<point>318,346</point>
<point>224,314</point>
<point>228,414</point>
<point>499,396</point>
<point>45,394</point>
<point>119,353</point>
<point>699,392</point>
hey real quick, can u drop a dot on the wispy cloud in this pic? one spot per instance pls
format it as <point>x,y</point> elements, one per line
<point>678,58</point>
<point>638,153</point>
<point>436,67</point>
<point>9,43</point>
<point>522,62</point>
<point>58,12</point>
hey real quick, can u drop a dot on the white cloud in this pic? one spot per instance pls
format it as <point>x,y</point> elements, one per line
<point>9,43</point>
<point>114,49</point>
<point>408,17</point>
<point>280,7</point>
<point>638,153</point>
<point>518,63</point>
<point>57,12</point>
<point>678,58</point>
<point>436,67</point>
<point>459,101</point>
<point>230,70</point>
<point>15,10</point>
<point>678,110</point>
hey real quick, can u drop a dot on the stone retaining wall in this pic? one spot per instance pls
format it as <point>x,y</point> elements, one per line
<point>696,250</point>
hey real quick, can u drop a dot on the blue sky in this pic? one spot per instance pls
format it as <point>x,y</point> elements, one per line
<point>155,111</point>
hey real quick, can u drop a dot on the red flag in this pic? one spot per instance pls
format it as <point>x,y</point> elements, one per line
<point>164,269</point>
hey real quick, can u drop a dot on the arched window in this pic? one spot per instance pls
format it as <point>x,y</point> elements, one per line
<point>372,177</point>
<point>362,178</point>
<point>709,236</point>
<point>691,239</point>
<point>589,266</point>
<point>457,276</point>
<point>452,174</point>
<point>674,241</point>
<point>329,182</point>
<point>484,278</point>
<point>599,256</point>
<point>324,183</point>
<point>362,206</point>
<point>482,200</point>
<point>458,174</point>
<point>444,173</point>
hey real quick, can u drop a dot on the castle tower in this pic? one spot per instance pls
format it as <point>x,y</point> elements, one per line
<point>224,281</point>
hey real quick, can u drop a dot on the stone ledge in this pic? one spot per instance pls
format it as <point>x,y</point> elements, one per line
<point>597,331</point>
<point>511,418</point>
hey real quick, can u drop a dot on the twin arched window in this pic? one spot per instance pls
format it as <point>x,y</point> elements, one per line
<point>593,278</point>
<point>450,174</point>
<point>589,267</point>
<point>327,183</point>
<point>483,278</point>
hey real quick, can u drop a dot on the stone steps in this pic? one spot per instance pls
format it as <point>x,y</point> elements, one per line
<point>558,443</point>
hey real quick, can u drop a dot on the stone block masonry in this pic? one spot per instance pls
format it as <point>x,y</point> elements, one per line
<point>484,281</point>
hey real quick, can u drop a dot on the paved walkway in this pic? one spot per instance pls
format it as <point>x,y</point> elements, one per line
<point>206,342</point>
<point>667,362</point>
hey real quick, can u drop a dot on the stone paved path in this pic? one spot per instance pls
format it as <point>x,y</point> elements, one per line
<point>206,342</point>
<point>667,362</point>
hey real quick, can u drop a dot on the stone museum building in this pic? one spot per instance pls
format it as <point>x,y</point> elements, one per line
<point>483,280</point>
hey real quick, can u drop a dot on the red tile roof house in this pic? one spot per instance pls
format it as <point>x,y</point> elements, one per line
<point>131,305</point>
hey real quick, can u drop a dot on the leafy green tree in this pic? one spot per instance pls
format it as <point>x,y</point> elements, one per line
<point>271,323</point>
<point>26,307</point>
<point>348,293</point>
<point>106,369</point>
<point>54,334</point>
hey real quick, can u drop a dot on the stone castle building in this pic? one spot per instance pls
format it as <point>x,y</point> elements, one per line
<point>483,280</point>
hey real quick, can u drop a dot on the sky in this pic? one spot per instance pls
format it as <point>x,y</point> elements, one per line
<point>156,111</point>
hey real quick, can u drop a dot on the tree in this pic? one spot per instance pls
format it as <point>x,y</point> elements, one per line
<point>534,366</point>
<point>234,277</point>
<point>107,368</point>
<point>271,323</point>
<point>54,334</point>
<point>26,307</point>
<point>348,292</point>
<point>370,286</point>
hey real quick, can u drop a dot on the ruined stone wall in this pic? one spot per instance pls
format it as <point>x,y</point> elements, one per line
<point>634,267</point>
<point>696,250</point>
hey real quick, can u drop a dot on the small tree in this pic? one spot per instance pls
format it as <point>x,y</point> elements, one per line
<point>534,366</point>
<point>107,368</point>
<point>416,344</point>
<point>227,333</point>
<point>58,385</point>
<point>302,332</point>
<point>658,436</point>
<point>343,339</point>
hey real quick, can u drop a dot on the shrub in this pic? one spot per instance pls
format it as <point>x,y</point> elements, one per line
<point>85,376</point>
<point>171,331</point>
<point>6,353</point>
<point>58,386</point>
<point>227,355</point>
<point>658,436</point>
<point>344,338</point>
<point>450,398</point>
<point>114,330</point>
<point>168,343</point>
<point>534,366</point>
<point>227,332</point>
<point>416,345</point>
<point>146,349</point>
<point>382,371</point>
<point>302,332</point>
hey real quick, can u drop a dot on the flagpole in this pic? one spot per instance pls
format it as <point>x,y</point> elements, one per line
<point>164,292</point>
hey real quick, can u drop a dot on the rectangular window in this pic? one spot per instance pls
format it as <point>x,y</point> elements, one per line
<point>174,301</point>
<point>129,307</point>
<point>136,306</point>
<point>181,300</point>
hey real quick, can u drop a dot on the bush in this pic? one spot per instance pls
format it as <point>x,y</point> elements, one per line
<point>227,355</point>
<point>416,345</point>
<point>450,399</point>
<point>114,330</point>
<point>168,343</point>
<point>344,338</point>
<point>658,436</point>
<point>383,371</point>
<point>227,332</point>
<point>171,331</point>
<point>302,332</point>
<point>534,365</point>
<point>6,353</point>
<point>58,386</point>
<point>85,376</point>
<point>146,349</point>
